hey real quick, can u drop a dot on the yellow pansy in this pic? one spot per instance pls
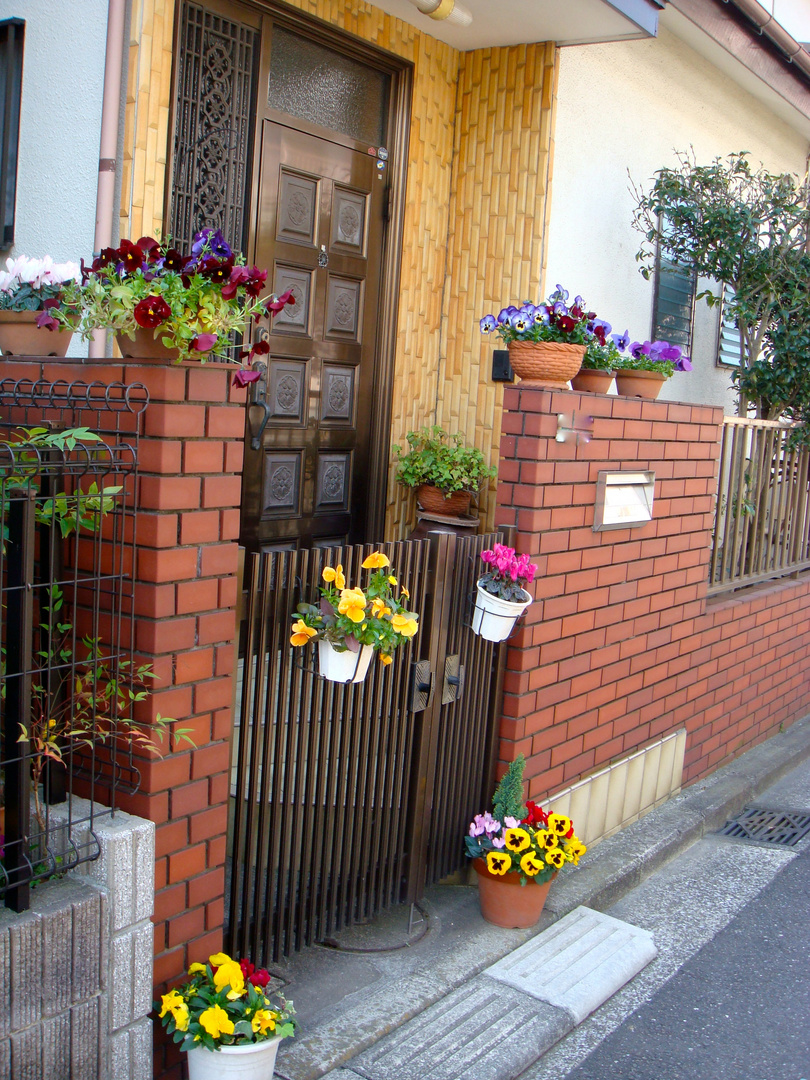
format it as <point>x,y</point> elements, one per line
<point>216,1022</point>
<point>379,608</point>
<point>171,1001</point>
<point>498,862</point>
<point>392,580</point>
<point>263,1021</point>
<point>555,857</point>
<point>405,625</point>
<point>385,659</point>
<point>517,839</point>
<point>530,864</point>
<point>546,839</point>
<point>301,633</point>
<point>375,561</point>
<point>181,1017</point>
<point>195,968</point>
<point>574,848</point>
<point>353,604</point>
<point>218,958</point>
<point>335,574</point>
<point>559,824</point>
<point>230,974</point>
<point>404,592</point>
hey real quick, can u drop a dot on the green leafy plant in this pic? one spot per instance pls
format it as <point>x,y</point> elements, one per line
<point>508,798</point>
<point>225,1003</point>
<point>439,458</point>
<point>88,700</point>
<point>601,357</point>
<point>749,229</point>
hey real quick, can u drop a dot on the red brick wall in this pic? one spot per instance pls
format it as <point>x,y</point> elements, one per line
<point>622,646</point>
<point>185,597</point>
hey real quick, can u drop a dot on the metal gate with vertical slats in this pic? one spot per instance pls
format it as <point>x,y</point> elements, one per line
<point>347,800</point>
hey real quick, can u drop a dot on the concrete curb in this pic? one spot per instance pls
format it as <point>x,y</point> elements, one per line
<point>616,866</point>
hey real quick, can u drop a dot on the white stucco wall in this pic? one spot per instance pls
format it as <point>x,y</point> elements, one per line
<point>60,119</point>
<point>629,106</point>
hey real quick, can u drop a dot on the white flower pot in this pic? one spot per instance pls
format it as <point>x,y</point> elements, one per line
<point>252,1061</point>
<point>345,666</point>
<point>494,619</point>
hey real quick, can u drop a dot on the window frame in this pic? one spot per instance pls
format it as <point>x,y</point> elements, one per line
<point>659,332</point>
<point>12,46</point>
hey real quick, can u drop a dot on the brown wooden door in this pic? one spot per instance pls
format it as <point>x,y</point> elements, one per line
<point>319,231</point>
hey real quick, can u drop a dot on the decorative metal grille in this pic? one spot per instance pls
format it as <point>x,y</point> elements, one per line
<point>780,827</point>
<point>67,533</point>
<point>217,64</point>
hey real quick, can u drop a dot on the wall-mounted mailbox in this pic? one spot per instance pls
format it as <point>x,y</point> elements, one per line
<point>623,499</point>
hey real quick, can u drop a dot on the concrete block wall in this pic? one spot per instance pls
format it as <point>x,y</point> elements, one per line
<point>76,968</point>
<point>623,645</point>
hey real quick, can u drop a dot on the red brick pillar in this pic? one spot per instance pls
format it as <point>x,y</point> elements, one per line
<point>609,656</point>
<point>185,592</point>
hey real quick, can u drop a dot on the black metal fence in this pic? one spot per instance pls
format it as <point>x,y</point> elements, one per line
<point>68,469</point>
<point>349,799</point>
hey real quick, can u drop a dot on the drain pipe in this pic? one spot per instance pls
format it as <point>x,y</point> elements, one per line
<point>775,32</point>
<point>108,148</point>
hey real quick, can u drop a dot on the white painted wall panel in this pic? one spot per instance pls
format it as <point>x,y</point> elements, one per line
<point>630,105</point>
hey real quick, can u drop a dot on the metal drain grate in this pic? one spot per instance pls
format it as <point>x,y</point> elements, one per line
<point>780,827</point>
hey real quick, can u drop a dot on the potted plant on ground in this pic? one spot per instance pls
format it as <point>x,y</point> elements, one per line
<point>501,594</point>
<point>547,341</point>
<point>646,365</point>
<point>31,291</point>
<point>517,851</point>
<point>442,469</point>
<point>351,624</point>
<point>164,304</point>
<point>226,1021</point>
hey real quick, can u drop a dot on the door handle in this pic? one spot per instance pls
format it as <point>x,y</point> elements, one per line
<point>453,686</point>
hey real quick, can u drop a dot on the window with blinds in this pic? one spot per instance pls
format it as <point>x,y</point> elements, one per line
<point>12,32</point>
<point>728,350</point>
<point>674,304</point>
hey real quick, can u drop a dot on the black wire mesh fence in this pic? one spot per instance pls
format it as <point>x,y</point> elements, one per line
<point>68,682</point>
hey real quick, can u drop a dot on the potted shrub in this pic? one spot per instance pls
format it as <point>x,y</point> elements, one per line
<point>351,624</point>
<point>442,469</point>
<point>162,303</point>
<point>645,367</point>
<point>517,851</point>
<point>31,292</point>
<point>547,341</point>
<point>226,1021</point>
<point>501,597</point>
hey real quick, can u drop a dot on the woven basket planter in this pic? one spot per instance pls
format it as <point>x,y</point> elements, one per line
<point>545,363</point>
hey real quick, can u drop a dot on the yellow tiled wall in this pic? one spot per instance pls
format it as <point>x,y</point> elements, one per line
<point>478,163</point>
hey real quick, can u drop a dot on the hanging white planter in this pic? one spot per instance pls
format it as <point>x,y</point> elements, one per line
<point>344,666</point>
<point>252,1061</point>
<point>494,619</point>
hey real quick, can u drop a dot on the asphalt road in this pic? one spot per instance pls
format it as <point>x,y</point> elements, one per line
<point>737,1010</point>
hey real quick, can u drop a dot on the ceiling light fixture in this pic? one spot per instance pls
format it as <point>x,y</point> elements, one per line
<point>444,10</point>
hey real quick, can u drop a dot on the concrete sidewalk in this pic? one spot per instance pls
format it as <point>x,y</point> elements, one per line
<point>357,1002</point>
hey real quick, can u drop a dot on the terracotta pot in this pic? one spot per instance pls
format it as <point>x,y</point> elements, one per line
<point>505,902</point>
<point>432,500</point>
<point>545,363</point>
<point>641,384</point>
<point>145,346</point>
<point>20,336</point>
<point>591,381</point>
<point>253,1061</point>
